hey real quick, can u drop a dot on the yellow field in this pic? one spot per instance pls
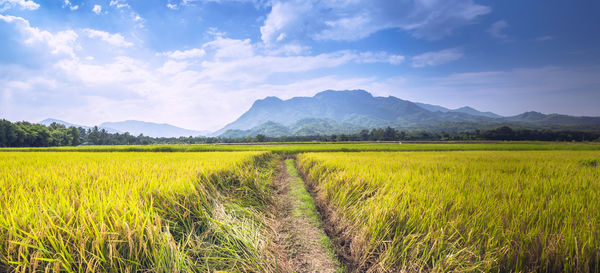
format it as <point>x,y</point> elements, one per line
<point>161,212</point>
<point>483,211</point>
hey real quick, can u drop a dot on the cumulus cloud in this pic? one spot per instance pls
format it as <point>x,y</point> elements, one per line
<point>119,4</point>
<point>185,54</point>
<point>497,28</point>
<point>22,4</point>
<point>436,58</point>
<point>114,39</point>
<point>70,5</point>
<point>60,43</point>
<point>97,9</point>
<point>357,19</point>
<point>188,88</point>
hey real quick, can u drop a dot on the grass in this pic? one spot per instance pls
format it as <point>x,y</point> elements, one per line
<point>308,209</point>
<point>294,148</point>
<point>133,212</point>
<point>466,211</point>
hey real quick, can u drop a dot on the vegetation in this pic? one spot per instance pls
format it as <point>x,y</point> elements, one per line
<point>390,134</point>
<point>307,208</point>
<point>25,134</point>
<point>294,148</point>
<point>439,207</point>
<point>484,211</point>
<point>133,212</point>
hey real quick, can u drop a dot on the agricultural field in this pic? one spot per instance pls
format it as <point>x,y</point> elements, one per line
<point>366,207</point>
<point>463,211</point>
<point>295,148</point>
<point>132,212</point>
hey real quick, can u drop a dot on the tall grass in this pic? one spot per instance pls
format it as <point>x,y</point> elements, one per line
<point>132,212</point>
<point>466,211</point>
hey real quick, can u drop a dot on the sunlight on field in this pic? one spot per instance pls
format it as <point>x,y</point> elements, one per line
<point>130,211</point>
<point>467,211</point>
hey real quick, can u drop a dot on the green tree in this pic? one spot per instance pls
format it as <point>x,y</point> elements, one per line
<point>260,138</point>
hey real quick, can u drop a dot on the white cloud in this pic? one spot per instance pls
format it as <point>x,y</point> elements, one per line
<point>201,88</point>
<point>173,67</point>
<point>226,48</point>
<point>114,39</point>
<point>119,4</point>
<point>185,54</point>
<point>437,57</point>
<point>22,4</point>
<point>257,3</point>
<point>97,9</point>
<point>380,57</point>
<point>172,6</point>
<point>70,5</point>
<point>351,20</point>
<point>496,29</point>
<point>60,43</point>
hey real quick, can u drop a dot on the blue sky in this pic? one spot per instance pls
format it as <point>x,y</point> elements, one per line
<point>199,64</point>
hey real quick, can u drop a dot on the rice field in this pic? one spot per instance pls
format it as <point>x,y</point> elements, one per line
<point>460,207</point>
<point>464,211</point>
<point>132,212</point>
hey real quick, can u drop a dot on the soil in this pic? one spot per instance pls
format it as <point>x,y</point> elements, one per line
<point>297,240</point>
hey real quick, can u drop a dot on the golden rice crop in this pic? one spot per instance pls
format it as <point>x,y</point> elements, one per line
<point>473,211</point>
<point>130,212</point>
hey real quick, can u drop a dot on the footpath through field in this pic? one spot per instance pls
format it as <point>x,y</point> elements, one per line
<point>300,242</point>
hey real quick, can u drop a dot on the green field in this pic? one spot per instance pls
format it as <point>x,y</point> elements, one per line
<point>431,207</point>
<point>293,148</point>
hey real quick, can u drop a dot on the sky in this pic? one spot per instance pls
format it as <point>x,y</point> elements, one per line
<point>200,64</point>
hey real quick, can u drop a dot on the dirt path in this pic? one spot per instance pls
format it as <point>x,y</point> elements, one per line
<point>300,241</point>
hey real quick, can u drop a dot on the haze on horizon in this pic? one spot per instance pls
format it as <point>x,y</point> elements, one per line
<point>199,64</point>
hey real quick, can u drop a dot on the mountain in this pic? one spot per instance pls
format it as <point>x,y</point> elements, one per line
<point>49,121</point>
<point>303,127</point>
<point>349,111</point>
<point>356,108</point>
<point>135,127</point>
<point>465,109</point>
<point>555,120</point>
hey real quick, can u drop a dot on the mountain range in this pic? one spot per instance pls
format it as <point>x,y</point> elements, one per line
<point>135,127</point>
<point>349,111</point>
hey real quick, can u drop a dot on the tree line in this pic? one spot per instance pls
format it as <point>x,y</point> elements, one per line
<point>391,134</point>
<point>25,134</point>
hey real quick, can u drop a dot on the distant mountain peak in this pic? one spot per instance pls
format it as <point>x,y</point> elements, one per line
<point>348,111</point>
<point>136,127</point>
<point>341,93</point>
<point>266,101</point>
